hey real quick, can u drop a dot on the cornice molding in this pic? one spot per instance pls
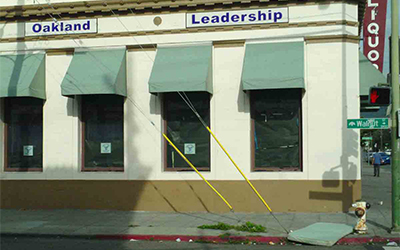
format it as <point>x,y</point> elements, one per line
<point>83,9</point>
<point>333,39</point>
<point>182,31</point>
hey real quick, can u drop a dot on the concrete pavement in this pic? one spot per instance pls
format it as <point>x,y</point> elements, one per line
<point>170,226</point>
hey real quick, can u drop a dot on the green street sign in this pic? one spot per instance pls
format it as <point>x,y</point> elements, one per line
<point>370,123</point>
<point>367,138</point>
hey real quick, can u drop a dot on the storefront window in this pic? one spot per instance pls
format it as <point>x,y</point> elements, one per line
<point>186,131</point>
<point>102,132</point>
<point>276,129</point>
<point>23,134</point>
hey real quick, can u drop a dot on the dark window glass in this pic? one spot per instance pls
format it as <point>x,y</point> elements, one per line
<point>186,131</point>
<point>103,132</point>
<point>276,116</point>
<point>24,133</point>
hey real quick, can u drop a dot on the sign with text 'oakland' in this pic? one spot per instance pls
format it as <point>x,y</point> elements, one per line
<point>237,17</point>
<point>61,27</point>
<point>371,123</point>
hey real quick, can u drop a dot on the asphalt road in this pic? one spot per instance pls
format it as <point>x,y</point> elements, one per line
<point>23,243</point>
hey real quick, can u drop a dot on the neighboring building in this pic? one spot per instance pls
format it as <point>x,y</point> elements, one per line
<point>86,87</point>
<point>369,77</point>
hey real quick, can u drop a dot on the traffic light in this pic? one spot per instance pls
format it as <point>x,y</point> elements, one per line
<point>379,96</point>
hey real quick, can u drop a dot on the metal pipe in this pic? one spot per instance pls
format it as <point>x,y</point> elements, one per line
<point>195,169</point>
<point>240,171</point>
<point>395,107</point>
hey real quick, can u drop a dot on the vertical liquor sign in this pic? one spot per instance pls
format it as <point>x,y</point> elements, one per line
<point>374,31</point>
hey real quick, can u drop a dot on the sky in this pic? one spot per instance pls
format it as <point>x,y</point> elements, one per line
<point>388,33</point>
<point>386,58</point>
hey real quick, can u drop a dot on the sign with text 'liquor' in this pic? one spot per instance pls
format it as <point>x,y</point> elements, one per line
<point>237,17</point>
<point>61,27</point>
<point>374,31</point>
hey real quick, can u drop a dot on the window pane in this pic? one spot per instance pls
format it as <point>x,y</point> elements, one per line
<point>276,115</point>
<point>24,119</point>
<point>103,130</point>
<point>186,131</point>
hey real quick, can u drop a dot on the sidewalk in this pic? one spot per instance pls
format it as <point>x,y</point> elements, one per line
<point>171,226</point>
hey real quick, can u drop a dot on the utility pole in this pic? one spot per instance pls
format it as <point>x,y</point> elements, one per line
<point>395,108</point>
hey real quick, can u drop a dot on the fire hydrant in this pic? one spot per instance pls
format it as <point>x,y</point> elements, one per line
<point>361,213</point>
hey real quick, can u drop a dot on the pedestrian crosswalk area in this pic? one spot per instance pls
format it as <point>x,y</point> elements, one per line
<point>391,248</point>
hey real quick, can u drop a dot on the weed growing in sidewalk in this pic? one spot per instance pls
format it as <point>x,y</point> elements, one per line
<point>219,226</point>
<point>247,227</point>
<point>251,227</point>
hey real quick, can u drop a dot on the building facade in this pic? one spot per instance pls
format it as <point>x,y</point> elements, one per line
<point>88,89</point>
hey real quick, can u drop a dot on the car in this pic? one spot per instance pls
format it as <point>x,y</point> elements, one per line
<point>385,158</point>
<point>367,156</point>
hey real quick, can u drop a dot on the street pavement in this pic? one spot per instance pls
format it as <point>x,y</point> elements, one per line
<point>23,243</point>
<point>106,224</point>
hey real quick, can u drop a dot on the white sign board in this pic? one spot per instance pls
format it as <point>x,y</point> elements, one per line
<point>28,150</point>
<point>105,148</point>
<point>190,148</point>
<point>61,27</point>
<point>237,17</point>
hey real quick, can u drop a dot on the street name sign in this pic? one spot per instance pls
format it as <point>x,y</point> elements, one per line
<point>367,138</point>
<point>370,123</point>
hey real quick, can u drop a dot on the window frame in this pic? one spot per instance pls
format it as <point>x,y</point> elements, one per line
<point>82,125</point>
<point>166,143</point>
<point>252,142</point>
<point>6,103</point>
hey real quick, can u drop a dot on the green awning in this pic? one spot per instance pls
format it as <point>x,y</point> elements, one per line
<point>273,66</point>
<point>369,75</point>
<point>96,72</point>
<point>22,76</point>
<point>182,69</point>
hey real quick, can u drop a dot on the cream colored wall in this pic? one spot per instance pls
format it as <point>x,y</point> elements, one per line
<point>143,147</point>
<point>231,113</point>
<point>333,11</point>
<point>323,12</point>
<point>331,97</point>
<point>60,131</point>
<point>232,120</point>
<point>6,3</point>
<point>277,34</point>
<point>112,24</point>
<point>314,13</point>
<point>330,149</point>
<point>60,123</point>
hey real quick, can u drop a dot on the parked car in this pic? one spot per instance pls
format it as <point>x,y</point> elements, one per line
<point>385,157</point>
<point>367,156</point>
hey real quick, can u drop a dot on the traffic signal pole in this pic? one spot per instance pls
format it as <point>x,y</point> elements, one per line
<point>395,108</point>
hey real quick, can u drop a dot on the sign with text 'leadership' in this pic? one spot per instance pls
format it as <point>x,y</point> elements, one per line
<point>61,27</point>
<point>237,17</point>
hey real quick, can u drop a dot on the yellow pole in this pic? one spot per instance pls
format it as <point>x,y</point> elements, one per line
<point>240,171</point>
<point>194,168</point>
